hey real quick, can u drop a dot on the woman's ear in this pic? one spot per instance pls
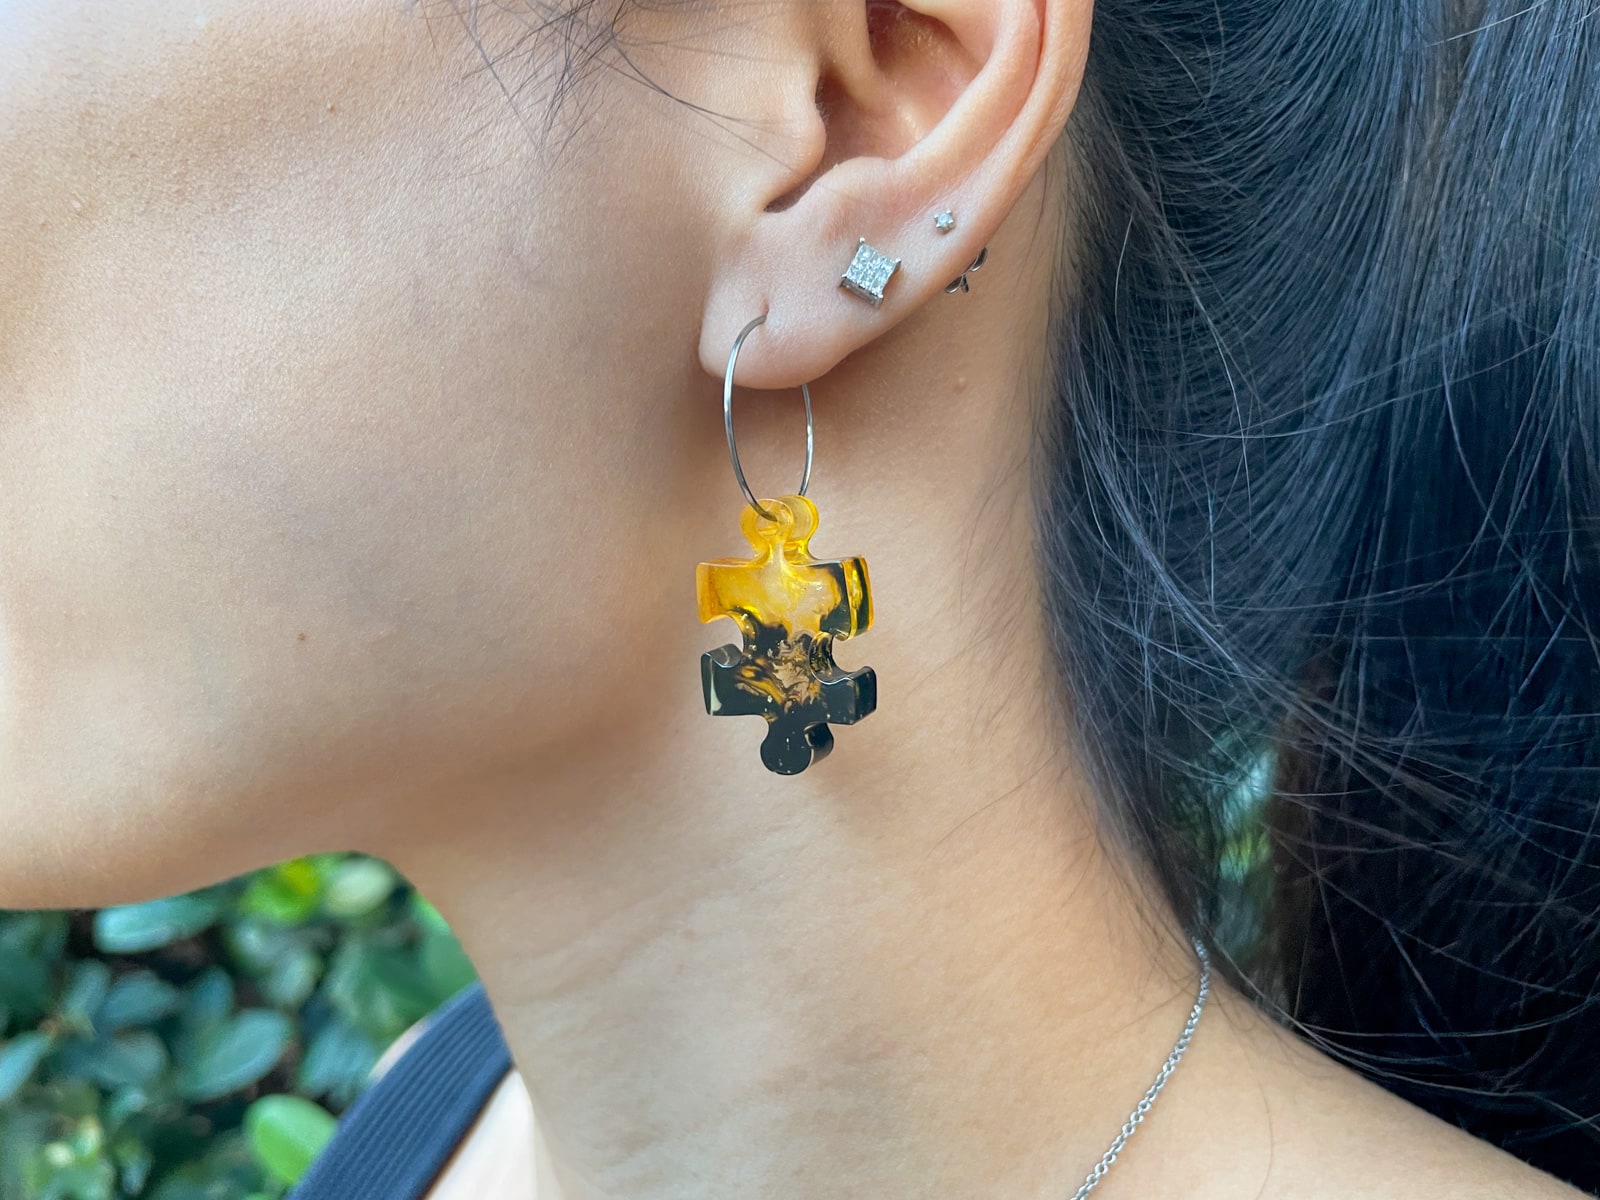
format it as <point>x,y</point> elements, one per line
<point>917,108</point>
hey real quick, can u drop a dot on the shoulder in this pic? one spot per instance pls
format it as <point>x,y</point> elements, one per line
<point>1336,1133</point>
<point>496,1157</point>
<point>437,1118</point>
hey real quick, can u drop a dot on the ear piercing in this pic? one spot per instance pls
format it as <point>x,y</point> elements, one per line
<point>944,222</point>
<point>870,269</point>
<point>961,284</point>
<point>868,273</point>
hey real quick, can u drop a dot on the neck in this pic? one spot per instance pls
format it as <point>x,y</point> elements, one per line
<point>911,970</point>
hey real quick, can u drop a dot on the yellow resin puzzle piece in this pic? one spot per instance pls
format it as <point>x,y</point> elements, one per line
<point>789,607</point>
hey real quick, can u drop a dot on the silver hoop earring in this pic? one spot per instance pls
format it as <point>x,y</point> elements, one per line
<point>790,607</point>
<point>727,422</point>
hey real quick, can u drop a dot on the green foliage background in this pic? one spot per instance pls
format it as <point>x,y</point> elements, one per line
<point>201,1047</point>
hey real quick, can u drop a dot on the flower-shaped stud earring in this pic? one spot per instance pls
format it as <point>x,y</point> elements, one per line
<point>961,284</point>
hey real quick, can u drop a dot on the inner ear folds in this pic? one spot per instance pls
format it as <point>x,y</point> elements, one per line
<point>924,67</point>
<point>922,108</point>
<point>881,102</point>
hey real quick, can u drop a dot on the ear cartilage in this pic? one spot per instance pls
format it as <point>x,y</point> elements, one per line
<point>868,273</point>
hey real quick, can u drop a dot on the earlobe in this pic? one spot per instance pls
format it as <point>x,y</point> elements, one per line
<point>930,107</point>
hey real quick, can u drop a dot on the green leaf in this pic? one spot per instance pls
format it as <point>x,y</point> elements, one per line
<point>134,1160</point>
<point>88,1139</point>
<point>208,999</point>
<point>93,1180</point>
<point>25,989</point>
<point>337,1062</point>
<point>257,943</point>
<point>379,988</point>
<point>138,998</point>
<point>124,1104</point>
<point>52,935</point>
<point>19,930</point>
<point>222,1168</point>
<point>136,928</point>
<point>427,915</point>
<point>445,964</point>
<point>42,935</point>
<point>358,886</point>
<point>287,893</point>
<point>129,1060</point>
<point>23,1129</point>
<point>189,1186</point>
<point>328,861</point>
<point>282,959</point>
<point>19,1059</point>
<point>72,1099</point>
<point>292,979</point>
<point>287,1133</point>
<point>233,1054</point>
<point>87,987</point>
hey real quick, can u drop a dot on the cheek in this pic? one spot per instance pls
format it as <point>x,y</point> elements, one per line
<point>330,495</point>
<point>225,619</point>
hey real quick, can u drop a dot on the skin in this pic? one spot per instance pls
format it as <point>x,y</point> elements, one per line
<point>360,424</point>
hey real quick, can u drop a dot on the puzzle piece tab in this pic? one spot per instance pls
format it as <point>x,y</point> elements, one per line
<point>789,607</point>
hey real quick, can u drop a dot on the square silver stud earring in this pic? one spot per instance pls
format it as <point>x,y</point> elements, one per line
<point>868,273</point>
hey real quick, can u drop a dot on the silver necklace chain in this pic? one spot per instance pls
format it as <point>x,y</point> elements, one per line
<point>1143,1107</point>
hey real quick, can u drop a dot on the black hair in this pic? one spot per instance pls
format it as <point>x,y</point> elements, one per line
<point>1319,498</point>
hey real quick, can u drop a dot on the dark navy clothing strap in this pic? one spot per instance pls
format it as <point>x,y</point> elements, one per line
<point>396,1138</point>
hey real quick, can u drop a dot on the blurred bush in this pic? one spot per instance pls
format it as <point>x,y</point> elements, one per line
<point>201,1047</point>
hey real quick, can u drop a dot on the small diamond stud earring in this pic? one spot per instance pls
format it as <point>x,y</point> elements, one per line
<point>944,222</point>
<point>868,273</point>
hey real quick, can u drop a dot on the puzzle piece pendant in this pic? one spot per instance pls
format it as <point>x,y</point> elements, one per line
<point>789,607</point>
